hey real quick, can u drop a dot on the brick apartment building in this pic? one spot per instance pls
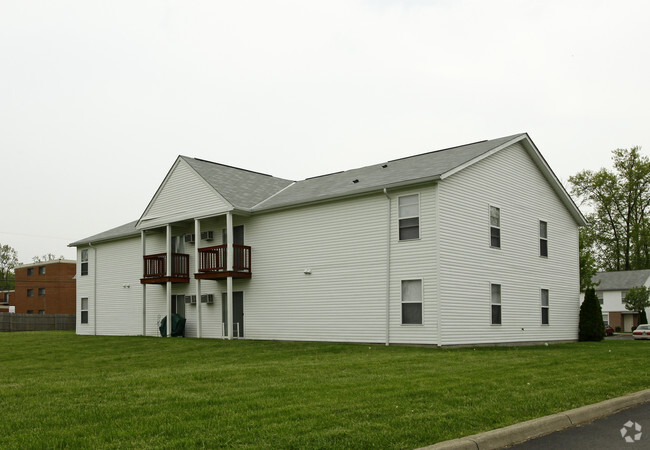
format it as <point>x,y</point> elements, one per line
<point>46,287</point>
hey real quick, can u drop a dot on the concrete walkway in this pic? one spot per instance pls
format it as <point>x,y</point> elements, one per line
<point>521,432</point>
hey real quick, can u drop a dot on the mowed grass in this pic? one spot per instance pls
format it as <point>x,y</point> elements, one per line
<point>62,390</point>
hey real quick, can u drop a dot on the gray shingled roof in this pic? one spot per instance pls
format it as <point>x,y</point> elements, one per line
<point>241,188</point>
<point>254,191</point>
<point>122,231</point>
<point>427,166</point>
<point>617,281</point>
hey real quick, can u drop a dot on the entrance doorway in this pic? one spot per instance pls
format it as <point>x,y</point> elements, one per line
<point>237,314</point>
<point>178,305</point>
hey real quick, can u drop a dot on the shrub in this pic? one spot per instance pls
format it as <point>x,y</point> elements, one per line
<point>591,326</point>
<point>618,329</point>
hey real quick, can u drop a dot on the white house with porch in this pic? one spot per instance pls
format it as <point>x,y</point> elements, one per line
<point>467,245</point>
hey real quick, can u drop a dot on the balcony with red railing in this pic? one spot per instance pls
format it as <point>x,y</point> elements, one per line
<point>155,269</point>
<point>213,262</point>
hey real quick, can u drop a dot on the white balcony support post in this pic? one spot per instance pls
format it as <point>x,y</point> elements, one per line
<point>229,300</point>
<point>197,267</point>
<point>229,264</point>
<point>144,286</point>
<point>169,250</point>
<point>169,283</point>
<point>230,256</point>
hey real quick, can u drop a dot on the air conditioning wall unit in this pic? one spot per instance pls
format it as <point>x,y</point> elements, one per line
<point>207,298</point>
<point>207,235</point>
<point>191,299</point>
<point>189,238</point>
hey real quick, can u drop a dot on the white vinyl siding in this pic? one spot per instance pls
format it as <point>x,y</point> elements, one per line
<point>510,180</point>
<point>183,195</point>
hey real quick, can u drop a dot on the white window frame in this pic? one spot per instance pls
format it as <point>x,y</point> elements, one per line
<point>495,227</point>
<point>84,260</point>
<point>606,318</point>
<point>546,307</point>
<point>82,310</point>
<point>409,302</point>
<point>623,295</point>
<point>400,217</point>
<point>499,304</point>
<point>543,238</point>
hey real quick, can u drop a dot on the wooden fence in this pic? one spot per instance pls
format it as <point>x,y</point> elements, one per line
<point>37,322</point>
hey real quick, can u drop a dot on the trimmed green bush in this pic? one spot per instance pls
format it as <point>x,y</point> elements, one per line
<point>591,326</point>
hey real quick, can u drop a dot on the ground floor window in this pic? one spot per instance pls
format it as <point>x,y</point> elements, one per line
<point>84,310</point>
<point>606,319</point>
<point>412,302</point>
<point>545,306</point>
<point>495,301</point>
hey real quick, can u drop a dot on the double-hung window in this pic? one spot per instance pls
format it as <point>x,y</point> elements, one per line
<point>409,217</point>
<point>543,238</point>
<point>411,302</point>
<point>41,292</point>
<point>84,310</point>
<point>495,302</point>
<point>30,292</point>
<point>495,227</point>
<point>30,271</point>
<point>545,306</point>
<point>84,261</point>
<point>41,270</point>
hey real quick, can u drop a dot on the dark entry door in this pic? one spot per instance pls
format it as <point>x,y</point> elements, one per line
<point>237,235</point>
<point>237,313</point>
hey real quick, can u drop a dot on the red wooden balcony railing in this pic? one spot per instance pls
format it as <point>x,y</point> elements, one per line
<point>214,259</point>
<point>155,266</point>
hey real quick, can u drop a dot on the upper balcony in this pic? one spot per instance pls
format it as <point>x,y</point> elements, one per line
<point>155,269</point>
<point>213,262</point>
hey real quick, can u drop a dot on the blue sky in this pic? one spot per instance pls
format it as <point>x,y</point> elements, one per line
<point>98,98</point>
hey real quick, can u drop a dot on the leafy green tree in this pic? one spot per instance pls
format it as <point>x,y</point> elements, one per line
<point>620,200</point>
<point>591,326</point>
<point>638,299</point>
<point>45,258</point>
<point>8,262</point>
<point>587,261</point>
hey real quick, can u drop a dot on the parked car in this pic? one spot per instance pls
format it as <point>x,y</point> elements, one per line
<point>641,332</point>
<point>609,331</point>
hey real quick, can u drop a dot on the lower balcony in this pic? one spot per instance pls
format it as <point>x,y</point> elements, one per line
<point>155,269</point>
<point>213,262</point>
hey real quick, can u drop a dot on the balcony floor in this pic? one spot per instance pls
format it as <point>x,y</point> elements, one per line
<point>221,275</point>
<point>163,280</point>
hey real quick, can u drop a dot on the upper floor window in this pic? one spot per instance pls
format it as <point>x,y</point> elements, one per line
<point>599,294</point>
<point>543,238</point>
<point>495,227</point>
<point>545,306</point>
<point>41,292</point>
<point>41,311</point>
<point>495,301</point>
<point>30,292</point>
<point>409,217</point>
<point>412,302</point>
<point>623,295</point>
<point>30,271</point>
<point>84,261</point>
<point>41,270</point>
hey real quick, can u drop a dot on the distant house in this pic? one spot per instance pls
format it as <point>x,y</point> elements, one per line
<point>466,245</point>
<point>611,288</point>
<point>45,288</point>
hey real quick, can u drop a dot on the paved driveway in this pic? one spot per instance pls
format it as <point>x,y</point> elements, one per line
<point>619,337</point>
<point>628,429</point>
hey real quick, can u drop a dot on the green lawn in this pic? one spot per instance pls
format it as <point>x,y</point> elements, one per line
<point>63,390</point>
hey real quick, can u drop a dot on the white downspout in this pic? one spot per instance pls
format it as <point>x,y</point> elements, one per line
<point>94,288</point>
<point>388,229</point>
